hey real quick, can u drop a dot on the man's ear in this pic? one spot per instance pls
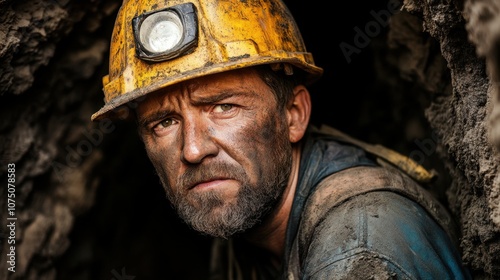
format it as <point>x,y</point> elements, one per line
<point>299,112</point>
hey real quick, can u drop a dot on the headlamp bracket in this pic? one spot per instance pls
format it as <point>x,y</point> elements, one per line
<point>187,15</point>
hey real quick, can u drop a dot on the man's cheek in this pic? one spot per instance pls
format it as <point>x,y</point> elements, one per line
<point>156,156</point>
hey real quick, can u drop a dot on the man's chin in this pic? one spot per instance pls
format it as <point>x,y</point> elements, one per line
<point>217,221</point>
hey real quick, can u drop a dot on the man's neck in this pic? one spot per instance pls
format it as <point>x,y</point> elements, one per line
<point>270,235</point>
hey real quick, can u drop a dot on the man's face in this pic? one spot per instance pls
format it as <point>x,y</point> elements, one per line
<point>220,148</point>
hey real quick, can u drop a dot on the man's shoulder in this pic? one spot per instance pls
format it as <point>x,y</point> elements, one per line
<point>377,230</point>
<point>373,213</point>
<point>345,185</point>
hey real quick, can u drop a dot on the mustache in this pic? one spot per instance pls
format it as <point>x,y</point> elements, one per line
<point>202,173</point>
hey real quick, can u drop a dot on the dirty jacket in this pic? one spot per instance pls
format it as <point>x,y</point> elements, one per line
<point>351,219</point>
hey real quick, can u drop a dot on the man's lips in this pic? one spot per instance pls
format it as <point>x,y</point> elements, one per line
<point>211,183</point>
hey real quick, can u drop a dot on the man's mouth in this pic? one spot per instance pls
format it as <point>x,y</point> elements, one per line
<point>208,184</point>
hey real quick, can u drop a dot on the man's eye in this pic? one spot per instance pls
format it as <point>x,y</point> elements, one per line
<point>164,124</point>
<point>223,108</point>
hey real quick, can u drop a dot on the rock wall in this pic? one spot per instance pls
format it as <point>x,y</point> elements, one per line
<point>461,120</point>
<point>51,54</point>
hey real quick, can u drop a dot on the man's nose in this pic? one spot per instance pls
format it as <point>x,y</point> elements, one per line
<point>198,142</point>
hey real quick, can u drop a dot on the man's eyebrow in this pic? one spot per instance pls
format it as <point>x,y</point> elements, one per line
<point>220,96</point>
<point>158,115</point>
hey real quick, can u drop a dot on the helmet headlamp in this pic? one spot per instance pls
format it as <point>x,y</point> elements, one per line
<point>166,34</point>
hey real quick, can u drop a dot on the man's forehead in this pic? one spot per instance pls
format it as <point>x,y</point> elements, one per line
<point>239,78</point>
<point>227,78</point>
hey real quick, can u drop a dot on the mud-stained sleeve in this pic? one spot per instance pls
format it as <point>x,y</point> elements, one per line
<point>379,235</point>
<point>364,265</point>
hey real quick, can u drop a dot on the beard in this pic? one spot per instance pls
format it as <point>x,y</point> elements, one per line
<point>211,213</point>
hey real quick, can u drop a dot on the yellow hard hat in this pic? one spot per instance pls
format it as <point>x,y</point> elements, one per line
<point>156,44</point>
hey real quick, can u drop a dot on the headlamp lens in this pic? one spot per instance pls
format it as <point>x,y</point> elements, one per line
<point>166,34</point>
<point>161,31</point>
